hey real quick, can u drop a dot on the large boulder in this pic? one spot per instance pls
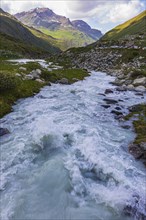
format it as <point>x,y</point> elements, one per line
<point>140,81</point>
<point>140,89</point>
<point>130,87</point>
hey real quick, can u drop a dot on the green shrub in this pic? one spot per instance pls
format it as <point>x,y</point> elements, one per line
<point>7,81</point>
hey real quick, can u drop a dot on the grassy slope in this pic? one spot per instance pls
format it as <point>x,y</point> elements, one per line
<point>13,48</point>
<point>133,26</point>
<point>14,31</point>
<point>68,37</point>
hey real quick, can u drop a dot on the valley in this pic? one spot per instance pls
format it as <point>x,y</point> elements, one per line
<point>72,118</point>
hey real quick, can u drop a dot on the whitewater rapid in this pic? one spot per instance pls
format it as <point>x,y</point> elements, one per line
<point>66,157</point>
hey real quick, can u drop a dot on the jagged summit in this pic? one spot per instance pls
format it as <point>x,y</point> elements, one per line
<point>41,18</point>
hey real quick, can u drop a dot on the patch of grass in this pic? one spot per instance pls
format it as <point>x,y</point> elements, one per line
<point>138,111</point>
<point>71,74</point>
<point>24,88</point>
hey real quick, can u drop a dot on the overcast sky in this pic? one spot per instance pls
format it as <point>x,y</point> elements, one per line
<point>100,14</point>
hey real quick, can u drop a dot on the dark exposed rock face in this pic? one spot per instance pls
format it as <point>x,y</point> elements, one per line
<point>84,27</point>
<point>44,17</point>
<point>107,91</point>
<point>136,151</point>
<point>4,131</point>
<point>110,101</point>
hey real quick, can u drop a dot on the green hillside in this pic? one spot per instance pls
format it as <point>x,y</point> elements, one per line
<point>68,38</point>
<point>134,26</point>
<point>16,37</point>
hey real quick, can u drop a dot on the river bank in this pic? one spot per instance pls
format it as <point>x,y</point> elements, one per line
<point>22,78</point>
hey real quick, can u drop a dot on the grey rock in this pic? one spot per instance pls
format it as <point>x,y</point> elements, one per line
<point>116,112</point>
<point>140,89</point>
<point>22,68</point>
<point>18,74</point>
<point>130,87</point>
<point>40,80</point>
<point>63,81</point>
<point>140,81</point>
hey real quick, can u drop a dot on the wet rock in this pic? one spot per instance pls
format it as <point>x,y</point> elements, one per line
<point>136,151</point>
<point>63,81</point>
<point>139,93</point>
<point>118,108</point>
<point>4,131</point>
<point>110,101</point>
<point>130,87</point>
<point>140,89</point>
<point>126,126</point>
<point>107,91</point>
<point>101,94</point>
<point>116,112</point>
<point>105,106</point>
<point>121,88</point>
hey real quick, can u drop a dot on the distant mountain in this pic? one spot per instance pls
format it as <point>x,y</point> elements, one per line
<point>132,27</point>
<point>70,34</point>
<point>84,27</point>
<point>13,31</point>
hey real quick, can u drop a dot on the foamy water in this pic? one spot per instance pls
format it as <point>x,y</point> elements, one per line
<point>67,157</point>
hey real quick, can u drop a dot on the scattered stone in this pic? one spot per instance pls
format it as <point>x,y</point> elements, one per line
<point>40,80</point>
<point>4,131</point>
<point>35,73</point>
<point>18,74</point>
<point>38,71</point>
<point>136,151</point>
<point>28,77</point>
<point>110,101</point>
<point>75,79</point>
<point>22,68</point>
<point>107,91</point>
<point>63,81</point>
<point>105,106</point>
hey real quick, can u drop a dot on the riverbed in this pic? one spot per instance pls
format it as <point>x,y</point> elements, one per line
<point>66,157</point>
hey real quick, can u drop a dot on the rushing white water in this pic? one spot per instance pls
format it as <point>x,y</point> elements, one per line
<point>67,158</point>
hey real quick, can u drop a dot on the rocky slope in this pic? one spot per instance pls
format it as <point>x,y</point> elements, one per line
<point>76,33</point>
<point>84,27</point>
